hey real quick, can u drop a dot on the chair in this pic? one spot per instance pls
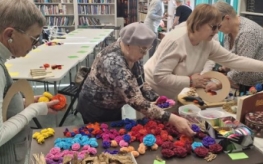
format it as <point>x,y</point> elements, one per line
<point>73,91</point>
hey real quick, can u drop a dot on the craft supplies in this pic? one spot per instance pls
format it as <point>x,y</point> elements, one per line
<point>189,110</point>
<point>164,102</point>
<point>46,97</point>
<point>43,134</point>
<point>222,94</point>
<point>62,102</point>
<point>254,120</point>
<point>39,73</point>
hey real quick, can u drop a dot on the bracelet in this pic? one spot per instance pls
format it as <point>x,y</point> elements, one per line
<point>191,81</point>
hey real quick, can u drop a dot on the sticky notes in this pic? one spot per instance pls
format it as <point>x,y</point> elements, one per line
<point>158,162</point>
<point>84,46</point>
<point>82,52</point>
<point>72,57</point>
<point>13,74</point>
<point>36,50</point>
<point>8,65</point>
<point>237,156</point>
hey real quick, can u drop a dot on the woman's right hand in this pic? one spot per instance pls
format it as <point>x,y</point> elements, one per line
<point>199,81</point>
<point>182,125</point>
<point>50,104</point>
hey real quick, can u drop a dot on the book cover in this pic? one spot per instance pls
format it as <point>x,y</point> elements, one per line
<point>248,104</point>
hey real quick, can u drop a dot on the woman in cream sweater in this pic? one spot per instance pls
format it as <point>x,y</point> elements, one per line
<point>182,54</point>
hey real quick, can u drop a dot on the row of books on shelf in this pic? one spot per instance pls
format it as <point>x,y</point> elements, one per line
<point>52,9</point>
<point>254,6</point>
<point>89,21</point>
<point>95,9</point>
<point>59,21</point>
<point>96,1</point>
<point>53,1</point>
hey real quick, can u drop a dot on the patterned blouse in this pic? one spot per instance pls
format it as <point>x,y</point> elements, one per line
<point>111,84</point>
<point>249,43</point>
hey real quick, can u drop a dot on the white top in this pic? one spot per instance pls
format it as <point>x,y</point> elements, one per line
<point>154,15</point>
<point>15,124</point>
<point>176,58</point>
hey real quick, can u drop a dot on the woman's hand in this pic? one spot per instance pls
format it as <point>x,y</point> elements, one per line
<point>199,81</point>
<point>50,104</point>
<point>182,125</point>
<point>223,69</point>
<point>212,86</point>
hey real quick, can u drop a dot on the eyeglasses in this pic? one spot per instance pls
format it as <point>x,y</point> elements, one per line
<point>215,27</point>
<point>34,40</point>
<point>145,50</point>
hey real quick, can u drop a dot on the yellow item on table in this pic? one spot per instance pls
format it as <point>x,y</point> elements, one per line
<point>48,95</point>
<point>43,99</point>
<point>43,134</point>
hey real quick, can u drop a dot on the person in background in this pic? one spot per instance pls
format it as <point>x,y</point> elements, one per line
<point>183,52</point>
<point>245,38</point>
<point>153,19</point>
<point>182,12</point>
<point>21,24</point>
<point>116,79</point>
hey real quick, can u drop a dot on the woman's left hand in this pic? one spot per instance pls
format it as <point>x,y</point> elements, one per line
<point>211,86</point>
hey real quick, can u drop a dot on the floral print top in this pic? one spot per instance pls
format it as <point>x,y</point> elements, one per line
<point>111,84</point>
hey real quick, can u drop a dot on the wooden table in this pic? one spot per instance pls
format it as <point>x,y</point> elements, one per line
<point>255,156</point>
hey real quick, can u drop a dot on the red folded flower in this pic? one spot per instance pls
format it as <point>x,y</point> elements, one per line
<point>168,145</point>
<point>185,139</point>
<point>122,131</point>
<point>161,126</point>
<point>179,143</point>
<point>201,152</point>
<point>167,153</point>
<point>215,148</point>
<point>180,152</point>
<point>159,140</point>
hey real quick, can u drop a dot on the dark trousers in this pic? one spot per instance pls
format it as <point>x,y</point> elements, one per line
<point>152,50</point>
<point>91,113</point>
<point>243,89</point>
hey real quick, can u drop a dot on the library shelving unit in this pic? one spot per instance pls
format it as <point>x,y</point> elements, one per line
<point>96,13</point>
<point>58,13</point>
<point>252,9</point>
<point>142,9</point>
<point>168,9</point>
<point>128,10</point>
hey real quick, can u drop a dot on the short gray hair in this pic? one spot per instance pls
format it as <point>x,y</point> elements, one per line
<point>19,14</point>
<point>225,8</point>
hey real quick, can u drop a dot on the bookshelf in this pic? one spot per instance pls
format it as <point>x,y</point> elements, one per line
<point>58,13</point>
<point>142,9</point>
<point>252,9</point>
<point>169,9</point>
<point>96,13</point>
<point>128,10</point>
<point>68,15</point>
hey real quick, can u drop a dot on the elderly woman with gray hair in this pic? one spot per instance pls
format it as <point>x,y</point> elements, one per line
<point>116,79</point>
<point>245,38</point>
<point>20,26</point>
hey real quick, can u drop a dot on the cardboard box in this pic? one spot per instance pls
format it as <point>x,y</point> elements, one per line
<point>239,141</point>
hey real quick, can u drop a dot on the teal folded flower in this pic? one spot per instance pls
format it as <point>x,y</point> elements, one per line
<point>196,145</point>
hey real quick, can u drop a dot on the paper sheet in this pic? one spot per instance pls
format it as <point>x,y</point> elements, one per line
<point>237,156</point>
